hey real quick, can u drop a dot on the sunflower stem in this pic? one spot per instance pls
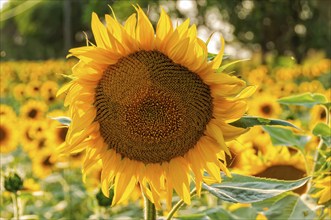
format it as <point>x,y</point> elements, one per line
<point>317,151</point>
<point>150,211</point>
<point>178,205</point>
<point>16,206</point>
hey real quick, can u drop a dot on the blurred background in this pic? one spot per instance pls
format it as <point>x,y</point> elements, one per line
<point>45,29</point>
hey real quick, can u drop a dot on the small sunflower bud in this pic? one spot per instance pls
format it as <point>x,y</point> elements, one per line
<point>13,182</point>
<point>103,200</point>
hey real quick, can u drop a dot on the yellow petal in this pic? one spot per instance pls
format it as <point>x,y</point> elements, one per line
<point>215,132</point>
<point>179,175</point>
<point>99,32</point>
<point>125,181</point>
<point>144,31</point>
<point>163,28</point>
<point>218,59</point>
<point>130,25</point>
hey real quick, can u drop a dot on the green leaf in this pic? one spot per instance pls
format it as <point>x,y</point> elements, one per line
<point>327,105</point>
<point>305,99</point>
<point>324,131</point>
<point>262,205</point>
<point>291,207</point>
<point>250,121</point>
<point>63,120</point>
<point>223,67</point>
<point>285,137</point>
<point>248,189</point>
<point>212,56</point>
<point>197,216</point>
<point>220,213</point>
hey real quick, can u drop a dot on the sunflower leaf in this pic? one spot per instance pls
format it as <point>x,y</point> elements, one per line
<point>250,121</point>
<point>63,120</point>
<point>305,99</point>
<point>290,207</point>
<point>285,137</point>
<point>223,67</point>
<point>248,189</point>
<point>211,56</point>
<point>324,131</point>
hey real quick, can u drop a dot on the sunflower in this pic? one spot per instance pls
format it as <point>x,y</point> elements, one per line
<point>44,164</point>
<point>151,107</point>
<point>57,132</point>
<point>324,189</point>
<point>8,135</point>
<point>264,105</point>
<point>48,91</point>
<point>278,163</point>
<point>318,114</point>
<point>282,89</point>
<point>33,110</point>
<point>33,88</point>
<point>34,136</point>
<point>19,91</point>
<point>7,112</point>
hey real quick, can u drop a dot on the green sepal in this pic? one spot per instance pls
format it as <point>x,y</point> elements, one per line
<point>13,182</point>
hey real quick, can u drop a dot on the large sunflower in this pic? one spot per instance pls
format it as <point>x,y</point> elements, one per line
<point>151,107</point>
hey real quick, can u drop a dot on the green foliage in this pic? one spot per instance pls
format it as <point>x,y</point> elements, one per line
<point>324,131</point>
<point>248,189</point>
<point>103,200</point>
<point>290,207</point>
<point>38,28</point>
<point>305,99</point>
<point>284,137</point>
<point>250,121</point>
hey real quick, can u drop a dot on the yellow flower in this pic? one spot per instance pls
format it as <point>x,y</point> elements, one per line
<point>318,114</point>
<point>48,91</point>
<point>44,164</point>
<point>277,162</point>
<point>33,110</point>
<point>30,185</point>
<point>282,89</point>
<point>19,91</point>
<point>264,105</point>
<point>311,86</point>
<point>7,112</point>
<point>151,107</point>
<point>8,135</point>
<point>33,88</point>
<point>324,186</point>
<point>34,136</point>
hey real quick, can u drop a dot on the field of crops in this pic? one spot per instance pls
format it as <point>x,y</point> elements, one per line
<point>51,186</point>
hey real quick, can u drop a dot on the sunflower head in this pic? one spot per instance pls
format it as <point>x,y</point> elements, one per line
<point>8,135</point>
<point>150,106</point>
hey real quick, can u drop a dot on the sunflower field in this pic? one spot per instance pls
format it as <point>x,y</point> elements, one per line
<point>142,122</point>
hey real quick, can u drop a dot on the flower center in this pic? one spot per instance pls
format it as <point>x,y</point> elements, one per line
<point>266,109</point>
<point>151,109</point>
<point>3,134</point>
<point>33,113</point>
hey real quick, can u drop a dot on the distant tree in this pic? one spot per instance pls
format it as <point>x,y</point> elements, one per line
<point>280,26</point>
